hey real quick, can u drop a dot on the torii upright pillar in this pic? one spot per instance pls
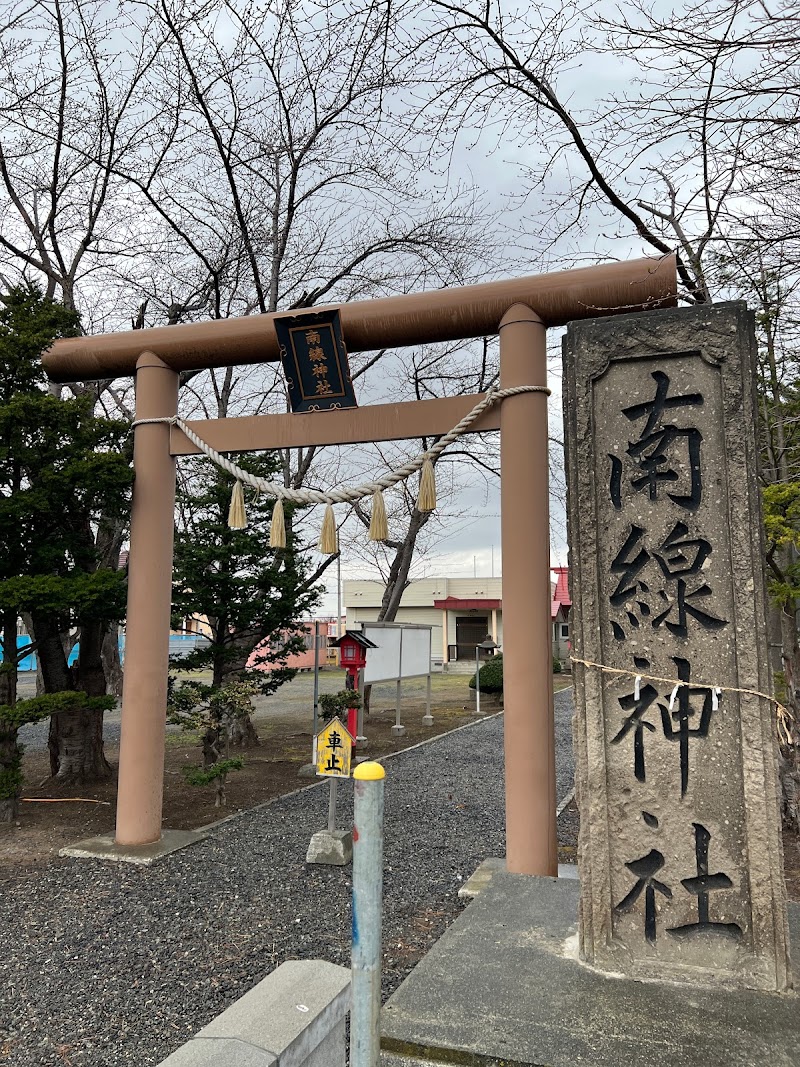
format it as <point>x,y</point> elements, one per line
<point>144,695</point>
<point>531,842</point>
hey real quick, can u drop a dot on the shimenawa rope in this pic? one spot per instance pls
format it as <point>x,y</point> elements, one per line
<point>346,494</point>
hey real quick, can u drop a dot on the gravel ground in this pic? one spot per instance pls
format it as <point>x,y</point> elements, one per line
<point>109,964</point>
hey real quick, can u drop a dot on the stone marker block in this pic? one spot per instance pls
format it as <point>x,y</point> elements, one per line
<point>295,1017</point>
<point>334,847</point>
<point>680,849</point>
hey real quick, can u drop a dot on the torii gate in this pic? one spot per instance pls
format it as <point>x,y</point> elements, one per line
<point>520,310</point>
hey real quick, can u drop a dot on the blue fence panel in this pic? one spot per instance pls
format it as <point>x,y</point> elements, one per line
<point>29,662</point>
<point>181,645</point>
<point>73,656</point>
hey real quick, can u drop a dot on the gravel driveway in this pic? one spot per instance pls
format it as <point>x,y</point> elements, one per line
<point>109,964</point>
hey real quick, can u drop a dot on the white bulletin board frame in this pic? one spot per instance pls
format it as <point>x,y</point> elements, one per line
<point>404,651</point>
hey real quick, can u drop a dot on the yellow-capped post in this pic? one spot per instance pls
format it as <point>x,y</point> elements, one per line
<point>369,771</point>
<point>368,781</point>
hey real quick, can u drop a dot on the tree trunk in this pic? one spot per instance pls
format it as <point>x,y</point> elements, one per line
<point>89,675</point>
<point>242,733</point>
<point>76,737</point>
<point>8,672</point>
<point>51,656</point>
<point>112,666</point>
<point>210,744</point>
<point>10,756</point>
<point>241,729</point>
<point>76,747</point>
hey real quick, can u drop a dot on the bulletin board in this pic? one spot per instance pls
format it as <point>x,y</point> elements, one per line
<point>403,651</point>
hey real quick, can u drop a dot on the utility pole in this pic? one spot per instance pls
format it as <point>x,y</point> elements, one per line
<point>339,595</point>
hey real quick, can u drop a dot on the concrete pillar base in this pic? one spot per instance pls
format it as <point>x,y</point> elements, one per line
<point>398,731</point>
<point>105,847</point>
<point>334,847</point>
<point>427,720</point>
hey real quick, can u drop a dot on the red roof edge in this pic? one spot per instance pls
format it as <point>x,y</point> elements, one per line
<point>454,603</point>
<point>562,586</point>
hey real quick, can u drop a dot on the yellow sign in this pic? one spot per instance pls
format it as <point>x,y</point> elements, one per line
<point>334,750</point>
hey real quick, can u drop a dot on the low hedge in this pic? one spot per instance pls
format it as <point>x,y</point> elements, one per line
<point>491,676</point>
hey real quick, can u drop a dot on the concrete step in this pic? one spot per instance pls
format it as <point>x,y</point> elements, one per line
<point>460,667</point>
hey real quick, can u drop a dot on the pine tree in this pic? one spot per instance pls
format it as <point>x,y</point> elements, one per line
<point>63,471</point>
<point>251,596</point>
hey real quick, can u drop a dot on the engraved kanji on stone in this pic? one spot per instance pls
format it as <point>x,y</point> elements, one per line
<point>677,717</point>
<point>657,451</point>
<point>644,870</point>
<point>701,885</point>
<point>638,703</point>
<point>679,557</point>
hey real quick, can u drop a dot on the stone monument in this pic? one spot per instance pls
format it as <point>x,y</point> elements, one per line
<point>680,854</point>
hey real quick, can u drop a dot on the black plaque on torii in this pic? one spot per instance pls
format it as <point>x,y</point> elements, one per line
<point>315,361</point>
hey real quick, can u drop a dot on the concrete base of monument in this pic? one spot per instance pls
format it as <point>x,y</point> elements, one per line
<point>504,986</point>
<point>334,847</point>
<point>106,848</point>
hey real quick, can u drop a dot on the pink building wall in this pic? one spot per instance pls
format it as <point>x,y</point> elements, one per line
<point>304,661</point>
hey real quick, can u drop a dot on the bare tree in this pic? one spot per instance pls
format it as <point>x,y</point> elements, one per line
<point>698,154</point>
<point>302,187</point>
<point>69,108</point>
<point>657,164</point>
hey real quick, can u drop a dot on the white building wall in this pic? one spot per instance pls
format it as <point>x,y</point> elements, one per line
<point>362,600</point>
<point>360,593</point>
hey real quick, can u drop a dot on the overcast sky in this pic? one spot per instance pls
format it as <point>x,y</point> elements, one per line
<point>469,541</point>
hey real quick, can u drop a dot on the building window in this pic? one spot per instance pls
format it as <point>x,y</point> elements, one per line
<point>565,629</point>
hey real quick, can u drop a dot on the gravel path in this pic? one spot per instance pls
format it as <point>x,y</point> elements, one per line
<point>108,964</point>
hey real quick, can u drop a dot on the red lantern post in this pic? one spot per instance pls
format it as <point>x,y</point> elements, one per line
<point>353,647</point>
